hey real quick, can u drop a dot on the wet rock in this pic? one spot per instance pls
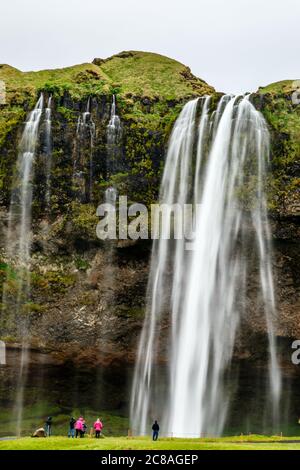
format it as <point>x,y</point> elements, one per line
<point>39,433</point>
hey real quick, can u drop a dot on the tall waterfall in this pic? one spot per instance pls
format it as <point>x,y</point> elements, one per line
<point>48,150</point>
<point>198,288</point>
<point>18,246</point>
<point>113,133</point>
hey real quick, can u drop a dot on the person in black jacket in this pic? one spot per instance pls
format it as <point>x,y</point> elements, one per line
<point>155,429</point>
<point>48,426</point>
<point>84,428</point>
<point>71,432</point>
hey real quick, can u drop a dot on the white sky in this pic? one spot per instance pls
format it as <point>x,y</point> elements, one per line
<point>235,45</point>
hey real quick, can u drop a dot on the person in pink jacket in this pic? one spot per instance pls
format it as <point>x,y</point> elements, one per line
<point>98,427</point>
<point>79,427</point>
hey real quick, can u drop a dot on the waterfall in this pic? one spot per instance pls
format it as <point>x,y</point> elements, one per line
<point>114,126</point>
<point>85,133</point>
<point>18,246</point>
<point>111,196</point>
<point>216,162</point>
<point>48,151</point>
<point>114,134</point>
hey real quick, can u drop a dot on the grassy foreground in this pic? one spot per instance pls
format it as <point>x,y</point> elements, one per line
<point>252,442</point>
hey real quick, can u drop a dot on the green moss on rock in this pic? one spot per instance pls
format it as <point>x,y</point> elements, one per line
<point>282,113</point>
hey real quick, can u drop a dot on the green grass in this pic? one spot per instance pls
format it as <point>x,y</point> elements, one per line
<point>145,443</point>
<point>284,86</point>
<point>132,72</point>
<point>76,79</point>
<point>152,75</point>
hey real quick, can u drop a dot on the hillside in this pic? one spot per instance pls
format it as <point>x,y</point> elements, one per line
<point>151,77</point>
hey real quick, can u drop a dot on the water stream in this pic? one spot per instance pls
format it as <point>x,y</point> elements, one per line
<point>18,245</point>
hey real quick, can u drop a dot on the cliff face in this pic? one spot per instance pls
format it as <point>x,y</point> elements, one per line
<point>279,104</point>
<point>88,297</point>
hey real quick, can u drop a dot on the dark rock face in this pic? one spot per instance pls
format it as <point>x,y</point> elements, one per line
<point>87,297</point>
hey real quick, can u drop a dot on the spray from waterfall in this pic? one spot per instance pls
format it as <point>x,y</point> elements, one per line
<point>16,303</point>
<point>213,161</point>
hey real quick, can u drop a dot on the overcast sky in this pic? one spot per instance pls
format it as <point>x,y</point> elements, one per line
<point>235,45</point>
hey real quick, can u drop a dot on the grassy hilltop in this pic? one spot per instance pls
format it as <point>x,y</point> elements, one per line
<point>131,74</point>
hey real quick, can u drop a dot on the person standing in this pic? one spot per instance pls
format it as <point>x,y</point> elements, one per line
<point>79,427</point>
<point>84,428</point>
<point>155,429</point>
<point>48,426</point>
<point>71,432</point>
<point>98,426</point>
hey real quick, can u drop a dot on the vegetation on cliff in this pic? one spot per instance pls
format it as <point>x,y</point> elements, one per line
<point>282,113</point>
<point>150,90</point>
<point>131,75</point>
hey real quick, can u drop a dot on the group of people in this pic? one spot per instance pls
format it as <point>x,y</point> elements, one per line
<point>77,428</point>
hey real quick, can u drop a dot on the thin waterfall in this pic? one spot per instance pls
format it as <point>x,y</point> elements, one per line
<point>48,150</point>
<point>114,134</point>
<point>18,248</point>
<point>85,134</point>
<point>111,196</point>
<point>114,129</point>
<point>212,161</point>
